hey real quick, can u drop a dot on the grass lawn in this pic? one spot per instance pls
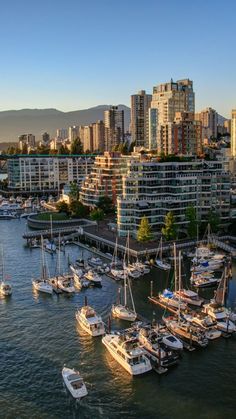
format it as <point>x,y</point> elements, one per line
<point>56,216</point>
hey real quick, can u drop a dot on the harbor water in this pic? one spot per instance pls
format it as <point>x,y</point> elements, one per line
<point>39,335</point>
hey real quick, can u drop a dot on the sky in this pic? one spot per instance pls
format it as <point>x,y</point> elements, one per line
<point>76,54</point>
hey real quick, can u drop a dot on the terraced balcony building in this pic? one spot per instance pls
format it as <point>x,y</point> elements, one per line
<point>152,189</point>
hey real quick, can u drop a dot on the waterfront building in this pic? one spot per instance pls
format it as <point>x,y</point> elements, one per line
<point>105,178</point>
<point>209,120</point>
<point>140,104</point>
<point>114,127</point>
<point>153,188</point>
<point>46,173</point>
<point>233,133</point>
<point>73,133</point>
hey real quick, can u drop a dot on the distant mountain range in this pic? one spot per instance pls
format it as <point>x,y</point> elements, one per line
<point>37,121</point>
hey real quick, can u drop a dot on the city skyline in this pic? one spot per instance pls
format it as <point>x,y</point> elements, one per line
<point>78,55</point>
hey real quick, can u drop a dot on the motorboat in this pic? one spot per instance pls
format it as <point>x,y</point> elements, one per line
<point>42,285</point>
<point>118,274</point>
<point>95,261</point>
<point>74,383</point>
<point>185,331</point>
<point>168,298</point>
<point>202,282</point>
<point>127,352</point>
<point>153,344</point>
<point>162,265</point>
<point>141,267</point>
<point>93,277</point>
<point>168,339</point>
<point>205,322</point>
<point>5,289</point>
<point>90,321</point>
<point>189,297</point>
<point>132,271</point>
<point>65,284</point>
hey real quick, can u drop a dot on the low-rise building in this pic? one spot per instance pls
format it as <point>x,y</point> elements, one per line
<point>34,173</point>
<point>153,188</point>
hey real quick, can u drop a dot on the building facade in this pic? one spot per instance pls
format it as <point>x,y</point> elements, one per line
<point>209,120</point>
<point>233,133</point>
<point>152,189</point>
<point>27,141</point>
<point>114,127</point>
<point>140,103</point>
<point>49,173</point>
<point>99,136</point>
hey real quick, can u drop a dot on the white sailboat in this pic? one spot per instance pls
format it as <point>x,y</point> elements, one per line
<point>5,289</point>
<point>159,261</point>
<point>42,284</point>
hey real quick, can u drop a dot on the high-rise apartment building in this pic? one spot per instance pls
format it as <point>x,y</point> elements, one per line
<point>233,133</point>
<point>73,133</point>
<point>140,104</point>
<point>209,120</point>
<point>87,139</point>
<point>26,140</point>
<point>173,97</point>
<point>114,127</point>
<point>98,136</point>
<point>45,138</point>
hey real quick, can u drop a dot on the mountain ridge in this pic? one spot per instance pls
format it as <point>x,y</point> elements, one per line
<point>36,121</point>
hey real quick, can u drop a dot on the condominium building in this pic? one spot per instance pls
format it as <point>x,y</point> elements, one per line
<point>233,133</point>
<point>140,103</point>
<point>87,139</point>
<point>45,139</point>
<point>98,136</point>
<point>105,178</point>
<point>209,120</point>
<point>152,128</point>
<point>62,133</point>
<point>173,97</point>
<point>49,173</point>
<point>152,189</point>
<point>114,127</point>
<point>73,133</point>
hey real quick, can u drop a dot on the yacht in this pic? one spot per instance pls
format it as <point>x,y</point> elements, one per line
<point>90,321</point>
<point>42,285</point>
<point>199,281</point>
<point>153,344</point>
<point>206,323</point>
<point>74,383</point>
<point>65,284</point>
<point>186,332</point>
<point>221,315</point>
<point>169,299</point>
<point>127,352</point>
<point>5,289</point>
<point>132,271</point>
<point>189,297</point>
<point>93,277</point>
<point>168,339</point>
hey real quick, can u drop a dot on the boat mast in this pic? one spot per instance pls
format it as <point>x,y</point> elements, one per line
<point>161,248</point>
<point>43,269</point>
<point>51,226</point>
<point>175,267</point>
<point>59,255</point>
<point>131,296</point>
<point>179,285</point>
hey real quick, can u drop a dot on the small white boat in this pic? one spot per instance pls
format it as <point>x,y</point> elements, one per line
<point>189,297</point>
<point>118,274</point>
<point>162,265</point>
<point>42,285</point>
<point>95,261</point>
<point>74,383</point>
<point>5,289</point>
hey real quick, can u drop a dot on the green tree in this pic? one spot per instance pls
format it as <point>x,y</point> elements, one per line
<point>144,233</point>
<point>191,217</point>
<point>97,214</point>
<point>105,203</point>
<point>213,219</point>
<point>62,206</point>
<point>169,231</point>
<point>131,147</point>
<point>74,191</point>
<point>77,146</point>
<point>77,209</point>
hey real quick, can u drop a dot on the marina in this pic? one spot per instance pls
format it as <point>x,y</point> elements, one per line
<point>78,351</point>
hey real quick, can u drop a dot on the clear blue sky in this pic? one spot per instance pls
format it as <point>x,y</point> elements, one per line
<point>73,54</point>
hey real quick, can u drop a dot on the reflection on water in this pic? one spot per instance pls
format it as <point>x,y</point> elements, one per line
<point>39,334</point>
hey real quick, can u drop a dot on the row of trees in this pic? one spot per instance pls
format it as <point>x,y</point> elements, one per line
<point>170,230</point>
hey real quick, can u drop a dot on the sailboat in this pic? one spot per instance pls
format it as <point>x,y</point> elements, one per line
<point>5,289</point>
<point>122,311</point>
<point>129,268</point>
<point>159,261</point>
<point>42,283</point>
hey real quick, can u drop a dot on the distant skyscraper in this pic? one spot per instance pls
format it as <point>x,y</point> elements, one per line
<point>27,140</point>
<point>140,103</point>
<point>62,134</point>
<point>114,127</point>
<point>98,136</point>
<point>88,138</point>
<point>233,133</point>
<point>152,128</point>
<point>45,138</point>
<point>73,133</point>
